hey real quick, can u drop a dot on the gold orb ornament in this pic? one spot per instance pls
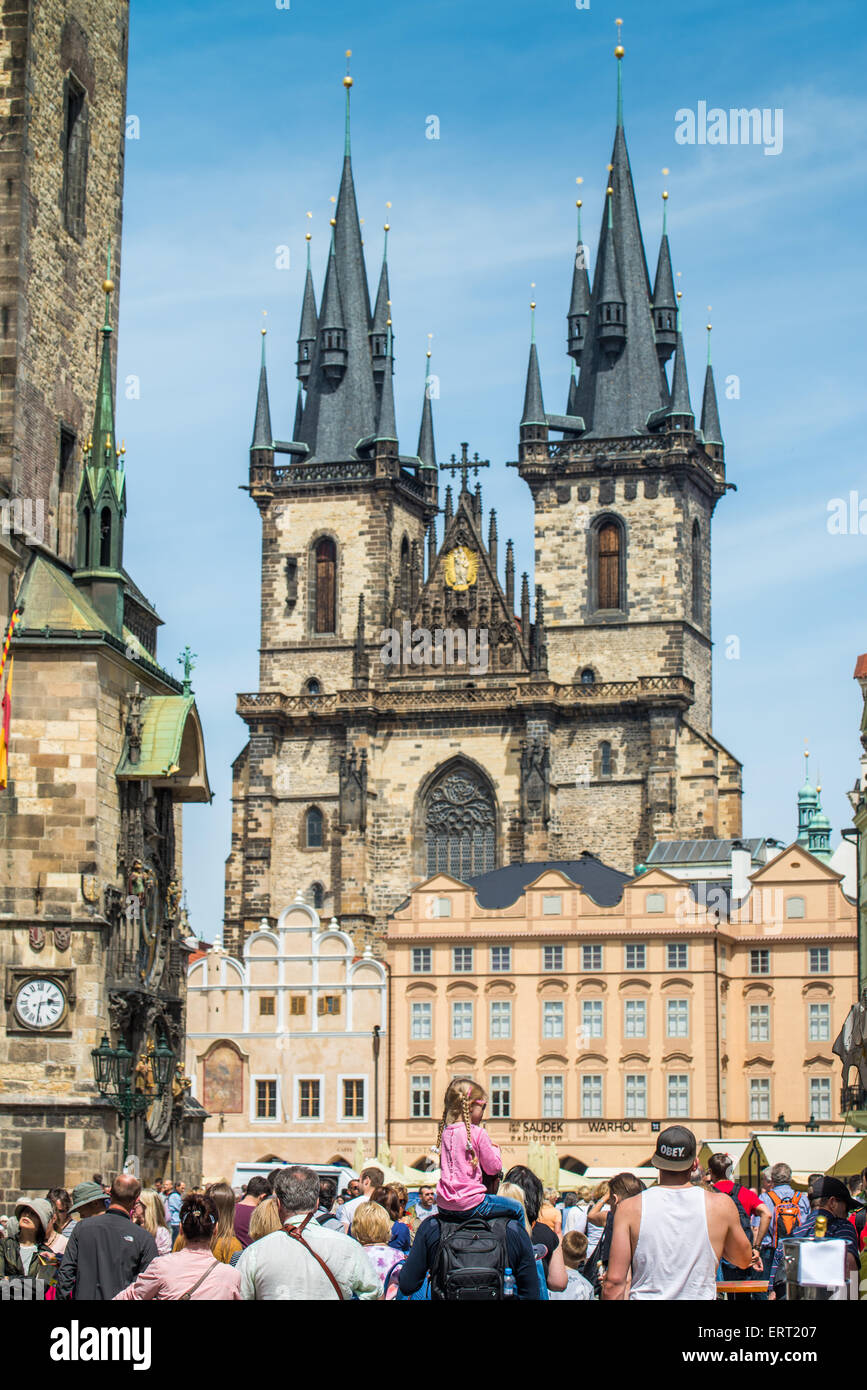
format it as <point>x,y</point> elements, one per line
<point>619,51</point>
<point>308,236</point>
<point>108,286</point>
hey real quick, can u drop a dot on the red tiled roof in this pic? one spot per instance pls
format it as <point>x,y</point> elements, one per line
<point>861,668</point>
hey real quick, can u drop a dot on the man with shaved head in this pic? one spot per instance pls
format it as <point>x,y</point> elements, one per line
<point>106,1253</point>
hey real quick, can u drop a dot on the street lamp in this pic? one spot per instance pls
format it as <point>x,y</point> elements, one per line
<point>812,1125</point>
<point>782,1123</point>
<point>112,1072</point>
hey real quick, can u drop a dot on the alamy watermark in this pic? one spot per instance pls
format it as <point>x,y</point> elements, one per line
<point>738,126</point>
<point>762,907</point>
<point>847,517</point>
<point>23,516</point>
<point>422,646</point>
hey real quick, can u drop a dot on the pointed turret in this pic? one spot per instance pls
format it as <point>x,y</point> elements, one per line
<point>664,301</point>
<point>426,447</point>
<point>309,324</point>
<point>572,398</point>
<point>710,425</point>
<point>332,327</point>
<point>525,610</point>
<point>262,436</point>
<point>299,413</point>
<point>101,501</point>
<point>680,410</point>
<point>381,317</point>
<point>534,426</point>
<point>808,802</point>
<point>492,539</point>
<point>819,833</point>
<point>510,578</point>
<point>579,303</point>
<point>620,383</point>
<point>386,428</point>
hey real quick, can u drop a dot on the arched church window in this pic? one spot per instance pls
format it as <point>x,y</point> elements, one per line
<point>696,572</point>
<point>313,826</point>
<point>588,676</point>
<point>460,825</point>
<point>605,759</point>
<point>313,687</point>
<point>609,565</point>
<point>326,585</point>
<point>105,538</point>
<point>317,896</point>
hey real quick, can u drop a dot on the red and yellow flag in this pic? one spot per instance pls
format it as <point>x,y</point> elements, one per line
<point>6,699</point>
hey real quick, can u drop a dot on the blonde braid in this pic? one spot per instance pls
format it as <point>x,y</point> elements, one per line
<point>471,1153</point>
<point>442,1124</point>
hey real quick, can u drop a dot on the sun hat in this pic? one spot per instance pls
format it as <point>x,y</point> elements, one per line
<point>833,1187</point>
<point>84,1193</point>
<point>39,1206</point>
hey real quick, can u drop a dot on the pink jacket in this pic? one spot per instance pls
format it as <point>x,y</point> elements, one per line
<point>171,1276</point>
<point>460,1187</point>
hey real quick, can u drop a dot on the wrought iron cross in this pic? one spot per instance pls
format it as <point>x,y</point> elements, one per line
<point>465,464</point>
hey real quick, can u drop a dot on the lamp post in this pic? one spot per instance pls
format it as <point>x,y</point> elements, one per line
<point>782,1123</point>
<point>376,1044</point>
<point>112,1072</point>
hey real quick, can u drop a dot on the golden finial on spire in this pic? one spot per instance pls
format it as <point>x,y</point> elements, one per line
<point>347,81</point>
<point>429,340</point>
<point>333,221</point>
<point>619,50</point>
<point>264,325</point>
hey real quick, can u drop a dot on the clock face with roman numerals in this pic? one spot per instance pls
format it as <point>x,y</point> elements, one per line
<point>39,1003</point>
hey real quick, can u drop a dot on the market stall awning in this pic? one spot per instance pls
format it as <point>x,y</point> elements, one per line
<point>837,1154</point>
<point>746,1164</point>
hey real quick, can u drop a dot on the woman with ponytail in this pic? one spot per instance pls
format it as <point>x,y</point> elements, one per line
<point>192,1272</point>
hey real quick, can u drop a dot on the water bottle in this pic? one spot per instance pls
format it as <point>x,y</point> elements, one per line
<point>510,1287</point>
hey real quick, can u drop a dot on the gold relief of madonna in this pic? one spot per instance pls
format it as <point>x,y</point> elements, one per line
<point>461,568</point>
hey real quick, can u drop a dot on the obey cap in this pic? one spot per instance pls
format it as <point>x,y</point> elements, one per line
<point>675,1149</point>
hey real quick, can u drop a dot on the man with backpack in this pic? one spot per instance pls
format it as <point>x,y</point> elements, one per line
<point>467,1258</point>
<point>788,1210</point>
<point>721,1172</point>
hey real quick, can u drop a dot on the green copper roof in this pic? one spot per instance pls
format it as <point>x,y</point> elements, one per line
<point>171,747</point>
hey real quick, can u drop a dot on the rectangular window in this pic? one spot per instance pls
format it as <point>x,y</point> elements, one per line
<point>591,1096</point>
<point>328,1004</point>
<point>421,960</point>
<point>760,1098</point>
<point>266,1005</point>
<point>636,957</point>
<point>552,904</point>
<point>591,957</point>
<point>443,907</point>
<point>553,1019</point>
<point>654,902</point>
<point>501,1097</point>
<point>75,143</point>
<point>677,955</point>
<point>501,1018</point>
<point>591,1018</point>
<point>820,960</point>
<point>552,958</point>
<point>421,1021</point>
<point>636,1096</point>
<point>462,1019</point>
<point>462,960</point>
<point>552,1097</point>
<point>635,1018</point>
<point>353,1098</point>
<point>297,1005</point>
<point>308,1100</point>
<point>820,1022</point>
<point>760,962</point>
<point>820,1097</point>
<point>760,1022</point>
<point>420,1096</point>
<point>676,1019</point>
<point>501,958</point>
<point>678,1096</point>
<point>266,1100</point>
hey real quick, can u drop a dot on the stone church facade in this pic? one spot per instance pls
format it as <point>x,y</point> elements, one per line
<point>106,746</point>
<point>379,753</point>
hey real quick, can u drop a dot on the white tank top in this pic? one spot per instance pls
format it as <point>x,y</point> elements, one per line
<point>673,1257</point>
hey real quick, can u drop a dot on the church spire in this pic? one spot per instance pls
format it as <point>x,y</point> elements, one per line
<point>102,441</point>
<point>579,303</point>
<point>808,802</point>
<point>381,316</point>
<point>710,425</point>
<point>309,323</point>
<point>262,436</point>
<point>386,427</point>
<point>340,409</point>
<point>533,418</point>
<point>664,302</point>
<point>426,446</point>
<point>681,406</point>
<point>619,389</point>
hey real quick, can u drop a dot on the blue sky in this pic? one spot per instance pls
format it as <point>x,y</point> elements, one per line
<point>240,105</point>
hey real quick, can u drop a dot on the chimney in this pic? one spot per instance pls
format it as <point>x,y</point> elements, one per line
<point>741,867</point>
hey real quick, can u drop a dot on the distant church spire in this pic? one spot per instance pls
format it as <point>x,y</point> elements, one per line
<point>579,302</point>
<point>262,436</point>
<point>534,408</point>
<point>664,301</point>
<point>426,446</point>
<point>381,317</point>
<point>309,323</point>
<point>710,425</point>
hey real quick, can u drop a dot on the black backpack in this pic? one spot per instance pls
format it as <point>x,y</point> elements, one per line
<point>470,1265</point>
<point>742,1215</point>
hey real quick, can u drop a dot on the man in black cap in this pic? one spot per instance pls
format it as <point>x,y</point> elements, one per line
<point>672,1236</point>
<point>832,1199</point>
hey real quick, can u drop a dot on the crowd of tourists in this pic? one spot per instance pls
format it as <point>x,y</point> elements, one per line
<point>481,1234</point>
